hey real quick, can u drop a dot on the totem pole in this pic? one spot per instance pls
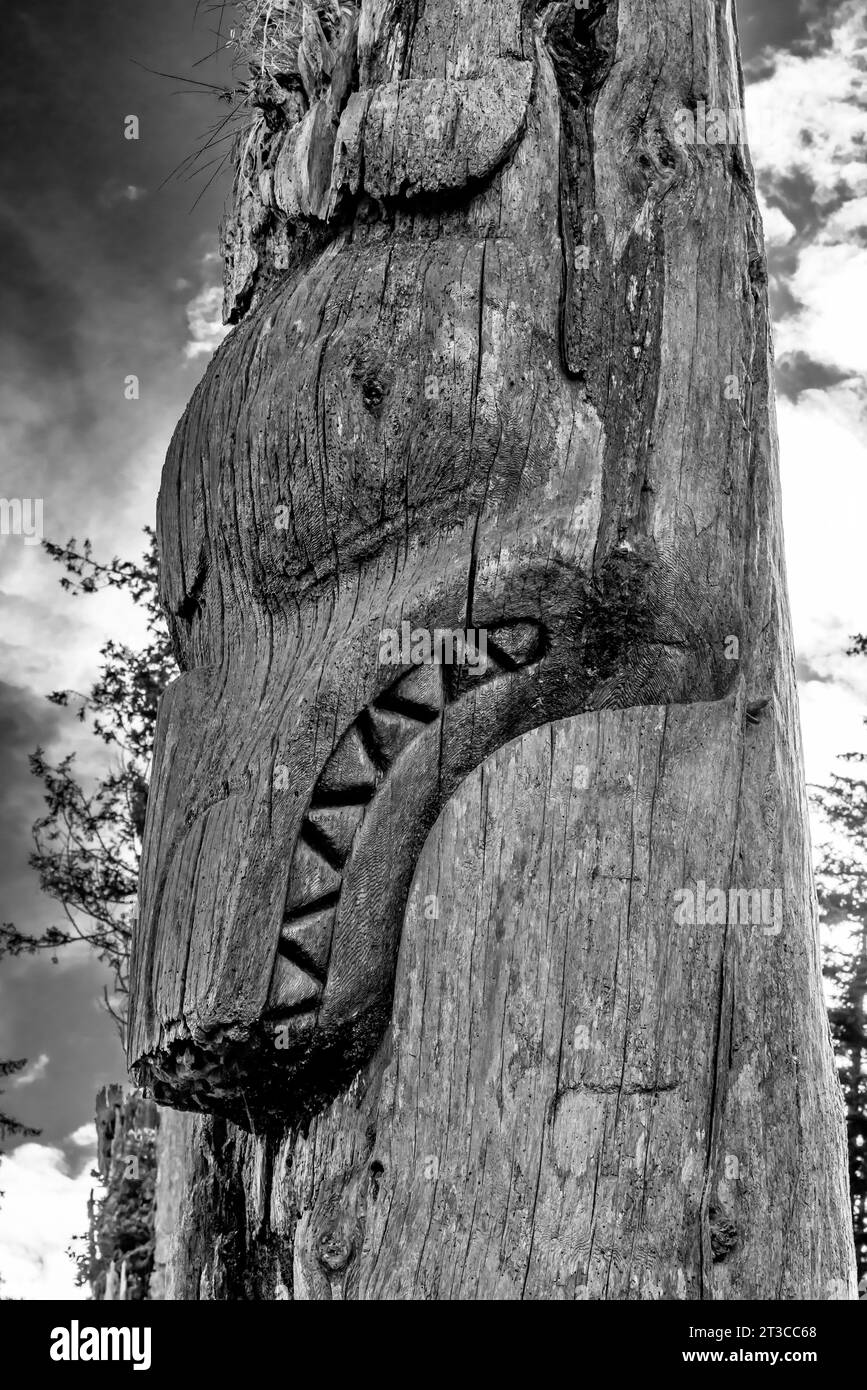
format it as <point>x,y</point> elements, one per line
<point>457,960</point>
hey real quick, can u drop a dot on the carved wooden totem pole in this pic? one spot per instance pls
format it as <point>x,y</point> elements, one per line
<point>448,958</point>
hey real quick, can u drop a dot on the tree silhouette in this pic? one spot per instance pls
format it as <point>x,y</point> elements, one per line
<point>10,1128</point>
<point>87,844</point>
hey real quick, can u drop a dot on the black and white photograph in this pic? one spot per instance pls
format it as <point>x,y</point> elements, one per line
<point>433,701</point>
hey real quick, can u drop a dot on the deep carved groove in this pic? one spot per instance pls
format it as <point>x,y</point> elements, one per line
<point>318,841</point>
<point>370,741</point>
<point>451,685</point>
<point>296,955</point>
<point>351,796</point>
<point>420,714</point>
<point>313,908</point>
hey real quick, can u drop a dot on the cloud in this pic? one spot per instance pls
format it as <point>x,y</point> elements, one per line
<point>805,673</point>
<point>825,502</point>
<point>848,222</point>
<point>824,469</point>
<point>205,320</point>
<point>114,193</point>
<point>43,1208</point>
<point>807,127</point>
<point>84,1137</point>
<point>797,372</point>
<point>828,281</point>
<point>88,296</point>
<point>26,720</point>
<point>806,118</point>
<point>779,231</point>
<point>34,1071</point>
<point>771,26</point>
<point>36,368</point>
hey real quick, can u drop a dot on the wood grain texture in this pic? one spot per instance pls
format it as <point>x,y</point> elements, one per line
<point>500,403</point>
<point>431,136</point>
<point>578,1097</point>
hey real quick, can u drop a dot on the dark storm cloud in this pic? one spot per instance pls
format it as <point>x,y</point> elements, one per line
<point>74,70</point>
<point>772,27</point>
<point>797,372</point>
<point>796,195</point>
<point>30,294</point>
<point>45,1010</point>
<point>99,263</point>
<point>54,1011</point>
<point>784,303</point>
<point>49,364</point>
<point>23,717</point>
<point>782,265</point>
<point>806,673</point>
<point>99,260</point>
<point>26,720</point>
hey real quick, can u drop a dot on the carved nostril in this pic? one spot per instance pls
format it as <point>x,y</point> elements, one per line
<point>373,377</point>
<point>373,393</point>
<point>334,1248</point>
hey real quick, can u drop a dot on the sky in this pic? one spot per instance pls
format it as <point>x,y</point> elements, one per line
<point>110,269</point>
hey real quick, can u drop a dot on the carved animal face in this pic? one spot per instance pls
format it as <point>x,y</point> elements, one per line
<point>389,437</point>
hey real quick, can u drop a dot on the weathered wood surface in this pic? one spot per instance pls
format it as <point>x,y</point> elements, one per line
<point>578,1097</point>
<point>121,1219</point>
<point>503,403</point>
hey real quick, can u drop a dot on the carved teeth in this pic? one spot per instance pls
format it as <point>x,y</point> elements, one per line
<point>349,774</point>
<point>312,908</point>
<point>311,878</point>
<point>293,988</point>
<point>307,943</point>
<point>345,786</point>
<point>391,733</point>
<point>334,829</point>
<point>418,695</point>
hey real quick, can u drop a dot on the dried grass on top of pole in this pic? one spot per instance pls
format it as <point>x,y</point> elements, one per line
<point>286,40</point>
